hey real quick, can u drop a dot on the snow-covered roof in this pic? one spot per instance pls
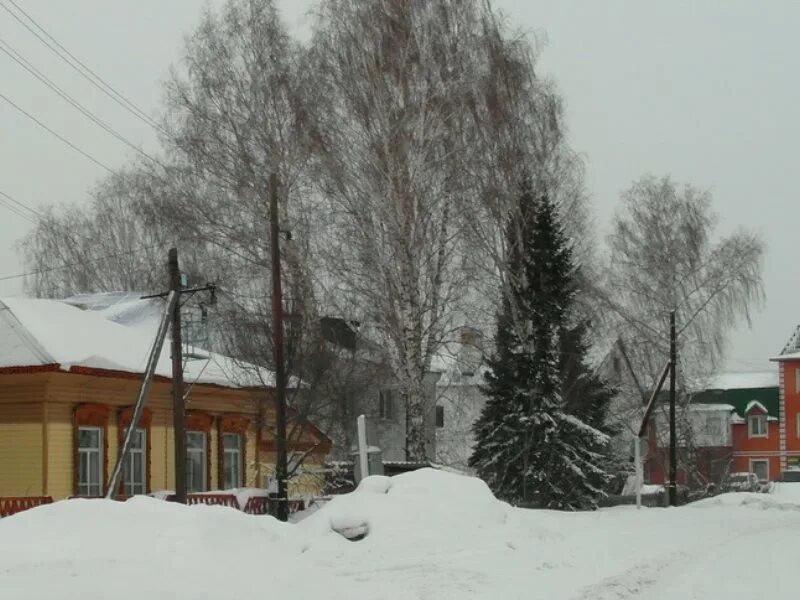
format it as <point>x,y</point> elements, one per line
<point>712,407</point>
<point>755,404</point>
<point>125,308</point>
<point>43,332</point>
<point>745,380</point>
<point>789,356</point>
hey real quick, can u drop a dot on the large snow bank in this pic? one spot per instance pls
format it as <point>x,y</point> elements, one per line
<point>440,502</point>
<point>432,535</point>
<point>142,549</point>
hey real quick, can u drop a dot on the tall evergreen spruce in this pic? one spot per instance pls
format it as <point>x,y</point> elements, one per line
<point>588,397</point>
<point>539,440</point>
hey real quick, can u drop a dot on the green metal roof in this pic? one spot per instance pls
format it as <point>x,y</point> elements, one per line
<point>740,398</point>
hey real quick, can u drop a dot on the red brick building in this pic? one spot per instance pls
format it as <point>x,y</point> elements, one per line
<point>736,425</point>
<point>789,431</point>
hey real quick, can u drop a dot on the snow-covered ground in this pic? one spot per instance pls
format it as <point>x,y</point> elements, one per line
<point>432,535</point>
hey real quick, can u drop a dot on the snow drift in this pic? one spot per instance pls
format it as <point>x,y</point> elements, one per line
<point>431,535</point>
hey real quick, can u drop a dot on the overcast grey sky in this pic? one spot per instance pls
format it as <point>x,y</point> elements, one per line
<point>706,92</point>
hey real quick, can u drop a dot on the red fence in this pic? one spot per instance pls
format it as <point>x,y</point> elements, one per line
<point>210,499</point>
<point>11,506</point>
<point>213,500</point>
<point>262,505</point>
<point>257,505</point>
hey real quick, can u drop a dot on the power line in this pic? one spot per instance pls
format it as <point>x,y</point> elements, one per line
<point>60,137</point>
<point>7,200</point>
<point>21,204</point>
<point>80,67</point>
<point>15,210</point>
<point>87,262</point>
<point>18,208</point>
<point>25,64</point>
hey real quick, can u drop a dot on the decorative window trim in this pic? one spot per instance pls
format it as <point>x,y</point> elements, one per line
<point>145,422</point>
<point>201,421</point>
<point>198,421</point>
<point>750,421</point>
<point>232,424</point>
<point>89,415</point>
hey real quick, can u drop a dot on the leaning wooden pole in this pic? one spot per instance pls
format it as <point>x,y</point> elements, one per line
<point>144,389</point>
<point>642,433</point>
<point>281,467</point>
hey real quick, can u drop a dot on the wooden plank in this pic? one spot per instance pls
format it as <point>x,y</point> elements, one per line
<point>44,447</point>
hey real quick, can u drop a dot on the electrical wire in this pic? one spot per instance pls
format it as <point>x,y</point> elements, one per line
<point>79,66</point>
<point>25,64</point>
<point>93,261</point>
<point>16,210</point>
<point>21,204</point>
<point>60,137</point>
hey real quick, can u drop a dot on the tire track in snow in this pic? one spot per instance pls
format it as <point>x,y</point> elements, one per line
<point>641,579</point>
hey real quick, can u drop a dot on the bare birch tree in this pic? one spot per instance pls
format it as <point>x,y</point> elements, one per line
<point>664,256</point>
<point>239,108</point>
<point>235,115</point>
<point>393,75</point>
<point>516,124</point>
<point>114,243</point>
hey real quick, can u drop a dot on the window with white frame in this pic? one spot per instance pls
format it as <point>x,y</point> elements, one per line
<point>797,426</point>
<point>232,460</point>
<point>797,381</point>
<point>135,468</point>
<point>90,461</point>
<point>757,426</point>
<point>760,468</point>
<point>196,460</point>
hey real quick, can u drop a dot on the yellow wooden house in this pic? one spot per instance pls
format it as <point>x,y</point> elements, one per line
<point>68,382</point>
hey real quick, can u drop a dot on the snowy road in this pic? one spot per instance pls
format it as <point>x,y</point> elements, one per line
<point>432,536</point>
<point>742,563</point>
<point>757,564</point>
<point>736,546</point>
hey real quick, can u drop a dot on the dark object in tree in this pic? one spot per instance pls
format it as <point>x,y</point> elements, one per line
<point>538,439</point>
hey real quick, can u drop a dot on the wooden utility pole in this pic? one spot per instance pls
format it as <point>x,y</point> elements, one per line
<point>173,317</point>
<point>282,512</point>
<point>673,442</point>
<point>178,403</point>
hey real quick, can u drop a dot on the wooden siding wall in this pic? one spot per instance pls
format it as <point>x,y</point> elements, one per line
<point>59,456</point>
<point>21,449</point>
<point>252,468</point>
<point>213,448</point>
<point>22,437</point>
